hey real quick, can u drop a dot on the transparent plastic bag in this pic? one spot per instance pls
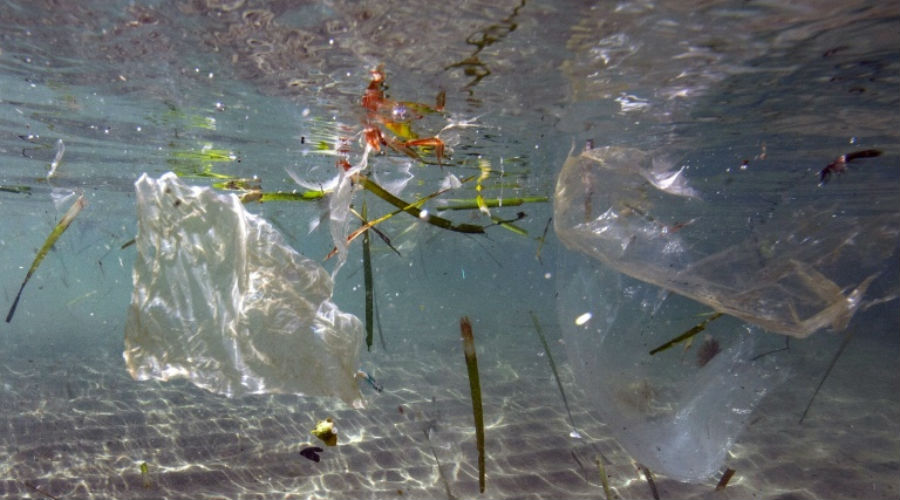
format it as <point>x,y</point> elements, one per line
<point>654,257</point>
<point>222,300</point>
<point>677,412</point>
<point>790,275</point>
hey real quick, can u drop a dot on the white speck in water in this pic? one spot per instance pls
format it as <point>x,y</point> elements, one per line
<point>584,318</point>
<point>547,276</point>
<point>575,434</point>
<point>305,112</point>
<point>424,215</point>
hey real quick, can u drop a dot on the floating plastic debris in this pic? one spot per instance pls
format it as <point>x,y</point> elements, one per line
<point>222,300</point>
<point>326,431</point>
<point>60,151</point>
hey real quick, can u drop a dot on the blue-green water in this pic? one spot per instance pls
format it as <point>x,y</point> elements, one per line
<point>754,99</point>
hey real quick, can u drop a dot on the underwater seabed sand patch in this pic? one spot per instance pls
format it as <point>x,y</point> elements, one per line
<point>78,427</point>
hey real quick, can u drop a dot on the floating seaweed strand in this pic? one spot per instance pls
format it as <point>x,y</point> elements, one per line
<point>413,209</point>
<point>540,332</point>
<point>465,328</point>
<point>60,228</point>
<point>378,323</point>
<point>650,482</point>
<point>40,491</point>
<point>825,375</point>
<point>367,278</point>
<point>699,327</point>
<point>604,478</point>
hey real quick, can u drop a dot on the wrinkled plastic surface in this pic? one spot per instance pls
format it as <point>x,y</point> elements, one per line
<point>789,275</point>
<point>654,255</point>
<point>222,300</point>
<point>671,414</point>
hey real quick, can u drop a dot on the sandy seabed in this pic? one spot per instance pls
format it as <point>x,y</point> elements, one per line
<point>80,427</point>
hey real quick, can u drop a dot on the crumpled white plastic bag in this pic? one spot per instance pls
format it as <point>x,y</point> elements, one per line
<point>222,300</point>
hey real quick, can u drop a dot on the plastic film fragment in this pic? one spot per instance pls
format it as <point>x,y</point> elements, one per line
<point>222,300</point>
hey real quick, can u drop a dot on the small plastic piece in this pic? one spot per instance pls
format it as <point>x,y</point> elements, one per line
<point>222,300</point>
<point>326,431</point>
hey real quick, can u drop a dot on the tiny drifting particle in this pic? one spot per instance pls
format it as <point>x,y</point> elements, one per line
<point>584,318</point>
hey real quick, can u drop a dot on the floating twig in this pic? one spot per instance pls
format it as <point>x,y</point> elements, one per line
<point>465,328</point>
<point>61,226</point>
